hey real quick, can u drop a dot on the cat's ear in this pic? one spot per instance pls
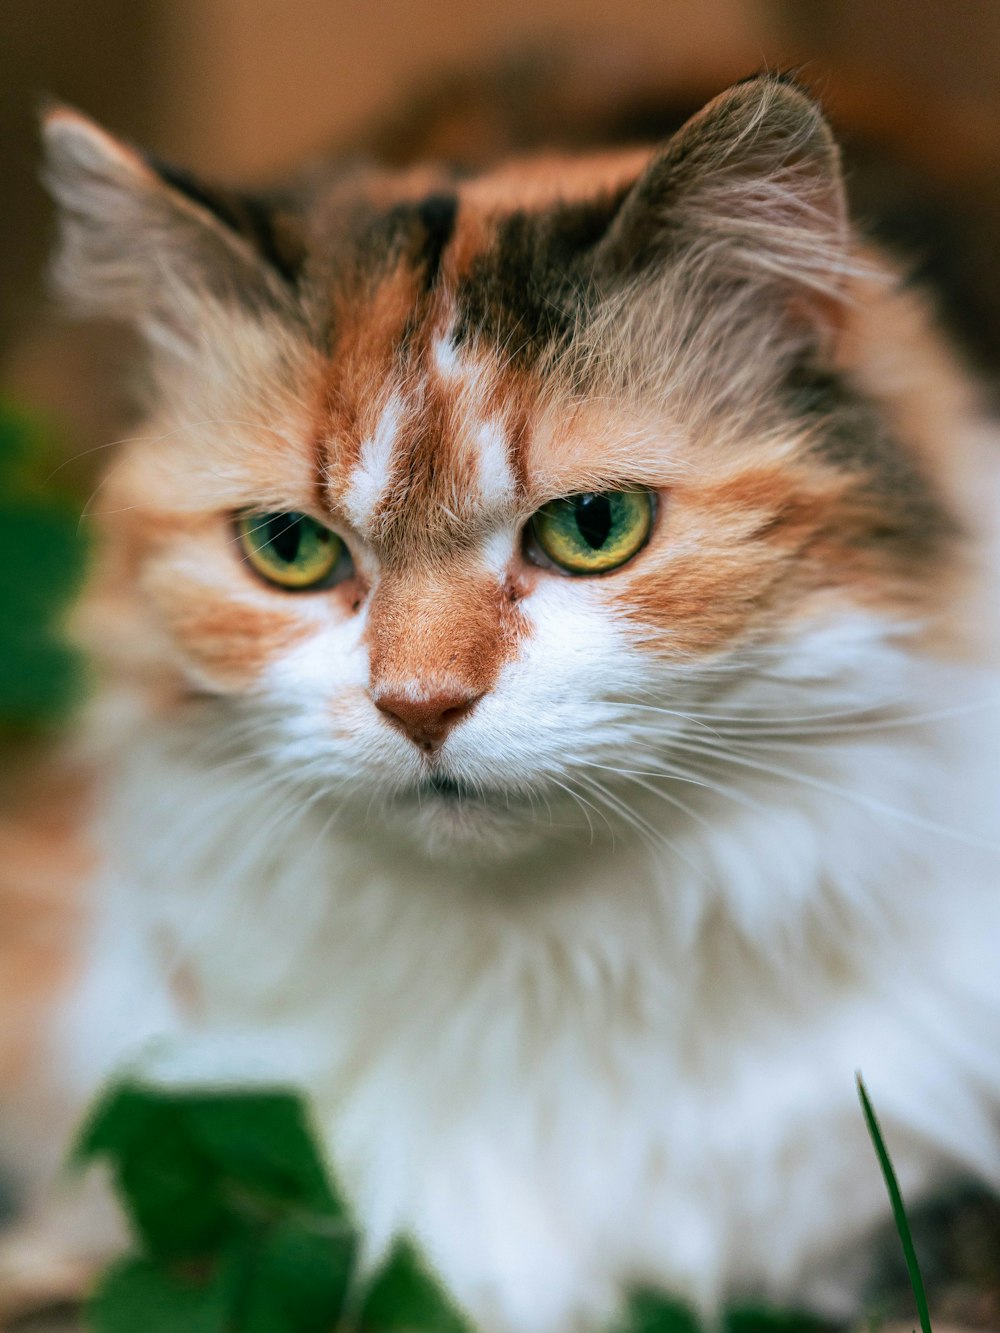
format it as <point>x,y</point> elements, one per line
<point>147,244</point>
<point>751,187</point>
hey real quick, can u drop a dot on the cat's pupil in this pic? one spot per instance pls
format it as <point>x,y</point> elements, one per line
<point>283,534</point>
<point>593,518</point>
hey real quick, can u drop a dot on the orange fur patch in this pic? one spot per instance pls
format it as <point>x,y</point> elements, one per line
<point>229,640</point>
<point>443,628</point>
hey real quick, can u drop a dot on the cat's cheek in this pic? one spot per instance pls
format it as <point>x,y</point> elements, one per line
<point>547,709</point>
<point>223,642</point>
<point>319,680</point>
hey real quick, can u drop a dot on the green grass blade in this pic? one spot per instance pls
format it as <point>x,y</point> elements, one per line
<point>898,1210</point>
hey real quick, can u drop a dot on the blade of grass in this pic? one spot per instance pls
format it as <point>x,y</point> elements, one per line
<point>898,1210</point>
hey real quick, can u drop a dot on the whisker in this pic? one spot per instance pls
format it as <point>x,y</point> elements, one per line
<point>872,804</point>
<point>584,805</point>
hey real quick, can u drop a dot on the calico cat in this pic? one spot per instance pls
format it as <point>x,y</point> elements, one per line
<point>549,709</point>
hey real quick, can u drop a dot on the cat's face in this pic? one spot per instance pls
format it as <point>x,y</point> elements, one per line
<point>491,501</point>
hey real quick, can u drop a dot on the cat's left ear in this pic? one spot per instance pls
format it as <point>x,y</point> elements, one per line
<point>749,189</point>
<point>146,244</point>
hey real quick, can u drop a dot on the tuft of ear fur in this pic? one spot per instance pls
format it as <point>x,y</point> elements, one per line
<point>750,187</point>
<point>149,245</point>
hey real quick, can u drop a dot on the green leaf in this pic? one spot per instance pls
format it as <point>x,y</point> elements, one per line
<point>232,1181</point>
<point>194,1168</point>
<point>652,1312</point>
<point>169,1187</point>
<point>898,1208</point>
<point>137,1294</point>
<point>298,1282</point>
<point>404,1294</point>
<point>173,1192</point>
<point>264,1141</point>
<point>122,1119</point>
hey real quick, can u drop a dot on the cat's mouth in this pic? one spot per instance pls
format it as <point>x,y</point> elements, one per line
<point>453,814</point>
<point>451,808</point>
<point>442,794</point>
<point>451,791</point>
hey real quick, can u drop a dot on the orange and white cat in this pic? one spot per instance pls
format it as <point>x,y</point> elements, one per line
<point>547,628</point>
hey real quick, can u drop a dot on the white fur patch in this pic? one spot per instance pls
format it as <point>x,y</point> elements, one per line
<point>496,480</point>
<point>445,356</point>
<point>497,551</point>
<point>371,476</point>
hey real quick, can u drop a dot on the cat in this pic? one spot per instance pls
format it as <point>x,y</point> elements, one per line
<point>548,709</point>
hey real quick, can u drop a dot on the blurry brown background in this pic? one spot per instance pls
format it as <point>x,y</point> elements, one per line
<point>236,87</point>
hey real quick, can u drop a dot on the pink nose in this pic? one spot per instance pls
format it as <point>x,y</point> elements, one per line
<point>428,718</point>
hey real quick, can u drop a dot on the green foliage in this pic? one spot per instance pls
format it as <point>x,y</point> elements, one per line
<point>404,1295</point>
<point>297,1279</point>
<point>141,1294</point>
<point>42,557</point>
<point>195,1169</point>
<point>898,1208</point>
<point>238,1226</point>
<point>653,1312</point>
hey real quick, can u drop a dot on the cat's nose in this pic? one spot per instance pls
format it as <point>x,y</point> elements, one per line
<point>426,718</point>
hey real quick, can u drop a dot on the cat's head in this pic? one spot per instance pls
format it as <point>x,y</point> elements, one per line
<point>492,498</point>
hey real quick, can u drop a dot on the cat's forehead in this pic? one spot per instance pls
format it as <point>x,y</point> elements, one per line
<point>433,451</point>
<point>446,320</point>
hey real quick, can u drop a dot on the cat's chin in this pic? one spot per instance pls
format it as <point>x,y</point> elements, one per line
<point>445,815</point>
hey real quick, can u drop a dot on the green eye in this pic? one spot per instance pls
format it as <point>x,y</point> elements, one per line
<point>596,531</point>
<point>291,550</point>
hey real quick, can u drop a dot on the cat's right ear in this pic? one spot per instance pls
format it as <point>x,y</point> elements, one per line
<point>750,191</point>
<point>145,244</point>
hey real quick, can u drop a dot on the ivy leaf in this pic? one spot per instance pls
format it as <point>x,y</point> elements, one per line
<point>298,1281</point>
<point>119,1123</point>
<point>652,1312</point>
<point>405,1294</point>
<point>139,1294</point>
<point>229,1198</point>
<point>263,1141</point>
<point>170,1189</point>
<point>195,1168</point>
